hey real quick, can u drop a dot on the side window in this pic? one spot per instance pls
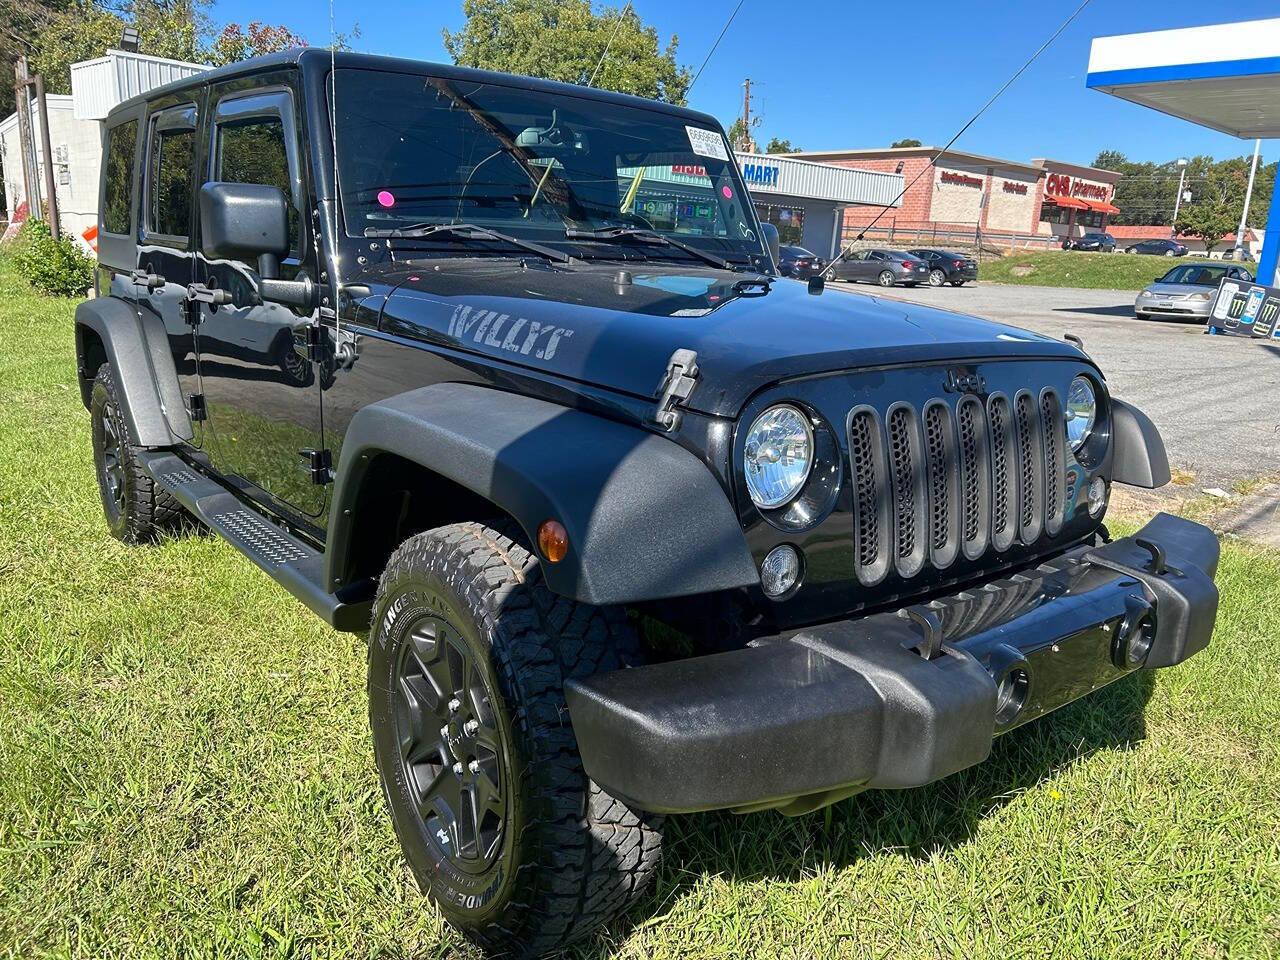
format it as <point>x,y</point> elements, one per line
<point>118,178</point>
<point>172,160</point>
<point>254,150</point>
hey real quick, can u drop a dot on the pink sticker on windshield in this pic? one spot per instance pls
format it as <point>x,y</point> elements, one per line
<point>386,198</point>
<point>728,194</point>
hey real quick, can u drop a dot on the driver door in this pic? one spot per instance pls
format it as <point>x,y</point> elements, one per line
<point>262,391</point>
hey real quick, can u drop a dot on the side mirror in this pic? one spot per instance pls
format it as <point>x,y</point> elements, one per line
<point>771,240</point>
<point>245,221</point>
<point>248,221</point>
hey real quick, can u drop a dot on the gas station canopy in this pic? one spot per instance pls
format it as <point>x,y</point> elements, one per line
<point>1225,76</point>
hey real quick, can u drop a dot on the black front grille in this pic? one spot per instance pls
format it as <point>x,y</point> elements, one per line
<point>959,477</point>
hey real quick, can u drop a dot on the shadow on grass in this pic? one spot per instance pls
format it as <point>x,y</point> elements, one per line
<point>768,846</point>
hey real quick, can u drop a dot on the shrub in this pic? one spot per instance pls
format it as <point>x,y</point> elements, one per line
<point>54,267</point>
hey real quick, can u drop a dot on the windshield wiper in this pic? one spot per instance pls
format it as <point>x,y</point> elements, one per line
<point>647,236</point>
<point>465,231</point>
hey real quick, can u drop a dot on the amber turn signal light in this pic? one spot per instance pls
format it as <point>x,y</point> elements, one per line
<point>553,540</point>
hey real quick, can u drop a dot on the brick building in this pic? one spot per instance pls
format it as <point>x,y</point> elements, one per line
<point>1042,201</point>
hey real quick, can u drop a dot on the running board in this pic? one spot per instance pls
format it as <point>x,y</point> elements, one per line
<point>291,562</point>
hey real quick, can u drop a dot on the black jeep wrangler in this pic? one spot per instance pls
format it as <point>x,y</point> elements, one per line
<point>501,372</point>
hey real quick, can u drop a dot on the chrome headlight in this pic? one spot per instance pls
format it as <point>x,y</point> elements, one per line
<point>1081,411</point>
<point>777,456</point>
<point>1145,293</point>
<point>1202,296</point>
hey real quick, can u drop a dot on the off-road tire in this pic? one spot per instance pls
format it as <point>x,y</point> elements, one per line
<point>569,857</point>
<point>136,508</point>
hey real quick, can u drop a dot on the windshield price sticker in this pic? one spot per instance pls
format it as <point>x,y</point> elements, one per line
<point>706,143</point>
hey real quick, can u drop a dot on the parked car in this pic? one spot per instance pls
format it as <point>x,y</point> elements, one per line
<point>885,267</point>
<point>538,447</point>
<point>1158,248</point>
<point>798,262</point>
<point>1097,242</point>
<point>947,267</point>
<point>1186,291</point>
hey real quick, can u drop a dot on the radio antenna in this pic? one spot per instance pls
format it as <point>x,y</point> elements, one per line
<point>613,37</point>
<point>934,159</point>
<point>336,280</point>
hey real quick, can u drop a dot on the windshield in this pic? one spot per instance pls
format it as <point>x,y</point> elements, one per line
<point>414,149</point>
<point>1204,275</point>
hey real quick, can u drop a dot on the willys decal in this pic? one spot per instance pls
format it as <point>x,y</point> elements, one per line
<point>501,330</point>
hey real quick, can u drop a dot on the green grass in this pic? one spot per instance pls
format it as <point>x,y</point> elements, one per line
<point>1073,268</point>
<point>185,772</point>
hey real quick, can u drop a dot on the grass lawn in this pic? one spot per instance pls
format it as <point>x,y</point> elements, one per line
<point>185,772</point>
<point>1073,268</point>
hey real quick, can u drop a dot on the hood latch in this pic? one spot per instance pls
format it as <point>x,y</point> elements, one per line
<point>676,387</point>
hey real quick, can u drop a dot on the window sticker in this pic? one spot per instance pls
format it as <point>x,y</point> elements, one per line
<point>386,199</point>
<point>706,143</point>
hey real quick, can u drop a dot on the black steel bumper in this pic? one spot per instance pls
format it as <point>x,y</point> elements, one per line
<point>896,699</point>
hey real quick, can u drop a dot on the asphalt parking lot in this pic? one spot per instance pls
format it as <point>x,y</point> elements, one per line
<point>1216,400</point>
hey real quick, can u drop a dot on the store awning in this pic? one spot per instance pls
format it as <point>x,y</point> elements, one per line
<point>1101,206</point>
<point>1071,202</point>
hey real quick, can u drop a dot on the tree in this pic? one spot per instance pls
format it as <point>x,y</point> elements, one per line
<point>235,43</point>
<point>780,146</point>
<point>905,143</point>
<point>566,40</point>
<point>1209,221</point>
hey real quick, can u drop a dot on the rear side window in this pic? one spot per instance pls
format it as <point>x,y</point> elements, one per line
<point>172,170</point>
<point>118,174</point>
<point>253,151</point>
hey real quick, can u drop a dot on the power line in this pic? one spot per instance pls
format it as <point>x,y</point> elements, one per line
<point>983,109</point>
<point>723,31</point>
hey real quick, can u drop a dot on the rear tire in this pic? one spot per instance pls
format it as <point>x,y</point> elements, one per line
<point>136,508</point>
<point>937,278</point>
<point>467,661</point>
<point>957,283</point>
<point>886,278</point>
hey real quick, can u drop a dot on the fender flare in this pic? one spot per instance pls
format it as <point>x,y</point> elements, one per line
<point>645,518</point>
<point>1140,459</point>
<point>137,348</point>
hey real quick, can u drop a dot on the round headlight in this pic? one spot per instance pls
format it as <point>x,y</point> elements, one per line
<point>777,456</point>
<point>1081,411</point>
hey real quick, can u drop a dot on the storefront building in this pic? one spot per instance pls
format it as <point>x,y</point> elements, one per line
<point>964,194</point>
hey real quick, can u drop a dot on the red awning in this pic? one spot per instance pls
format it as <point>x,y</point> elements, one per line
<point>1101,206</point>
<point>1071,202</point>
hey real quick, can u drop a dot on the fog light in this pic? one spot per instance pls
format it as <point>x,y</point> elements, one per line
<point>1097,496</point>
<point>780,571</point>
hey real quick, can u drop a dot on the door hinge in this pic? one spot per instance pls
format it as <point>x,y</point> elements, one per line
<point>316,341</point>
<point>198,293</point>
<point>676,387</point>
<point>318,463</point>
<point>152,281</point>
<point>196,408</point>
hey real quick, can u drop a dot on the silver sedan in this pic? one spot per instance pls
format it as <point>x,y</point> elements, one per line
<point>1186,292</point>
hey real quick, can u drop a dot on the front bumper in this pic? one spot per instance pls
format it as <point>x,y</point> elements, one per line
<point>900,699</point>
<point>1166,307</point>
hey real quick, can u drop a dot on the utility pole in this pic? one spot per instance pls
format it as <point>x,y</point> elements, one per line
<point>50,190</point>
<point>23,103</point>
<point>1177,201</point>
<point>1248,195</point>
<point>746,116</point>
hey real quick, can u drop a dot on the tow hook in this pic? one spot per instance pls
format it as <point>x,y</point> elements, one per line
<point>1135,634</point>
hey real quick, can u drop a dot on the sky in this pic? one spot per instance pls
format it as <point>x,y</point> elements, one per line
<point>848,73</point>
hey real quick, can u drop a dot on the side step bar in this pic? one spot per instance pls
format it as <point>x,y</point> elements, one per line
<point>291,562</point>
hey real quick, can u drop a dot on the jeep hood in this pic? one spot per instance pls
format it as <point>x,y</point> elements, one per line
<point>616,325</point>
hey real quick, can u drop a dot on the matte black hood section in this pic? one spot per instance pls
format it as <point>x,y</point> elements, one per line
<point>615,326</point>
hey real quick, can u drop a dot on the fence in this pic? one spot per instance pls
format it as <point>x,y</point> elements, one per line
<point>967,237</point>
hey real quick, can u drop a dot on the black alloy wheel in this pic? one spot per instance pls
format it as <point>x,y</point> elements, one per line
<point>451,753</point>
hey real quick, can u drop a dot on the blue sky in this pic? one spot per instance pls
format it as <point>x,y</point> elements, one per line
<point>845,73</point>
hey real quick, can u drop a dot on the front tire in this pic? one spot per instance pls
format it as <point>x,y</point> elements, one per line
<point>885,279</point>
<point>137,510</point>
<point>500,824</point>
<point>957,283</point>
